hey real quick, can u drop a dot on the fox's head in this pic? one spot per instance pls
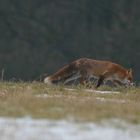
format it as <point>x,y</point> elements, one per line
<point>128,78</point>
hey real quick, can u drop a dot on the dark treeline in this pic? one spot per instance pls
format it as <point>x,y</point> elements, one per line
<point>40,36</point>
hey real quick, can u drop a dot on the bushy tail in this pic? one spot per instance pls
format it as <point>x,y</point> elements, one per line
<point>62,74</point>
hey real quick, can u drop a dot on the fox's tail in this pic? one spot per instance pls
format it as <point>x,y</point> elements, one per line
<point>63,74</point>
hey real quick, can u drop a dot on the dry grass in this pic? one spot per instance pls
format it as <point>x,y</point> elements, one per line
<point>55,102</point>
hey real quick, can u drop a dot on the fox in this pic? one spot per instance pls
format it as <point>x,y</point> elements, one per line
<point>85,68</point>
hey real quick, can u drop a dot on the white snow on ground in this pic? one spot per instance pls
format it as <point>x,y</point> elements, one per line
<point>95,91</point>
<point>102,99</point>
<point>35,129</point>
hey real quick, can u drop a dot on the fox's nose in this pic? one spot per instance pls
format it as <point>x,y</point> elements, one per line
<point>132,84</point>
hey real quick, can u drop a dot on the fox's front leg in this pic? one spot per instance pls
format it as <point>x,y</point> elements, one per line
<point>102,77</point>
<point>100,81</point>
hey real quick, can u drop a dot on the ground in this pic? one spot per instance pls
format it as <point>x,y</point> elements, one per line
<point>57,102</point>
<point>73,105</point>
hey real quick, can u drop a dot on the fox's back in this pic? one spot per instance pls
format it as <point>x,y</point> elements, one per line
<point>97,67</point>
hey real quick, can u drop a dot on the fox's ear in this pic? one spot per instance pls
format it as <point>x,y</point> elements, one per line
<point>130,70</point>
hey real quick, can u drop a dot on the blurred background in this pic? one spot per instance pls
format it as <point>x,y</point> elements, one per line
<point>40,36</point>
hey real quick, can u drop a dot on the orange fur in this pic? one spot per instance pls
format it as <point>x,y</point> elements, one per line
<point>85,68</point>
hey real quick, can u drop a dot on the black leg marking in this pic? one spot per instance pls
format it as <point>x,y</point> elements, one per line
<point>100,81</point>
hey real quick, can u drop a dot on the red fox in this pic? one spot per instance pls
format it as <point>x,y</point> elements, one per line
<point>85,68</point>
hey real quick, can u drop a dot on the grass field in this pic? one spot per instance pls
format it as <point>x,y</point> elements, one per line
<point>38,100</point>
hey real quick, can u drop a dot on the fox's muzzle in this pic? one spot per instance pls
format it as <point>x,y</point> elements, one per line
<point>130,84</point>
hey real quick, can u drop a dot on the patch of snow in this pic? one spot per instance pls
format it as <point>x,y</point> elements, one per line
<point>37,129</point>
<point>102,99</point>
<point>42,95</point>
<point>95,91</point>
<point>106,92</point>
<point>102,92</point>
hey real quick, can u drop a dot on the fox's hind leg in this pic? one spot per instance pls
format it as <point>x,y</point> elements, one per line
<point>82,80</point>
<point>117,83</point>
<point>85,79</point>
<point>72,78</point>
